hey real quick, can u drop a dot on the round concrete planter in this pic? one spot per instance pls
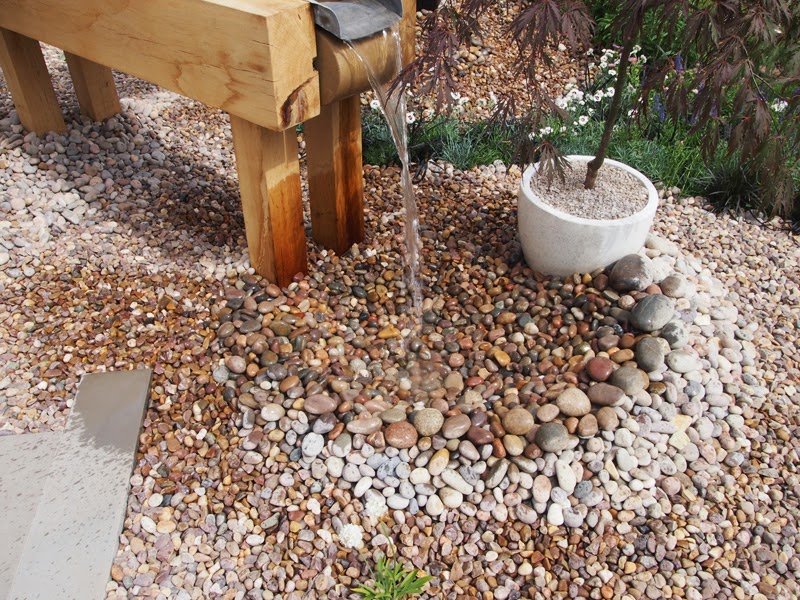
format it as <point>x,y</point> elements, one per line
<point>556,243</point>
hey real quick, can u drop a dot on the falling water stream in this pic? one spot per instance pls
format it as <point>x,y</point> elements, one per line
<point>393,107</point>
<point>424,376</point>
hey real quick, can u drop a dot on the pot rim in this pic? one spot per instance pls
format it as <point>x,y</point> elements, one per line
<point>648,210</point>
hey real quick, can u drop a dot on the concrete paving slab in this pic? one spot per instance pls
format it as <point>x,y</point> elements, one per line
<point>74,534</point>
<point>24,469</point>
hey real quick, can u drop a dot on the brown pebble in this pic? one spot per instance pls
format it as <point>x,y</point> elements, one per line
<point>607,419</point>
<point>600,368</point>
<point>479,436</point>
<point>400,435</point>
<point>518,421</point>
<point>587,427</point>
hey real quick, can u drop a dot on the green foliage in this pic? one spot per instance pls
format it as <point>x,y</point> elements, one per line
<point>657,41</point>
<point>729,187</point>
<point>463,144</point>
<point>392,581</point>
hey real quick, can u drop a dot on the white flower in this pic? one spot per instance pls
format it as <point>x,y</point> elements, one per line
<point>779,105</point>
<point>545,131</point>
<point>583,120</point>
<point>463,100</point>
<point>636,49</point>
<point>589,52</point>
<point>563,128</point>
<point>590,111</point>
<point>410,118</point>
<point>612,72</point>
<point>598,95</point>
<point>455,95</point>
<point>376,506</point>
<point>642,59</point>
<point>351,536</point>
<point>610,92</point>
<point>375,104</point>
<point>562,103</point>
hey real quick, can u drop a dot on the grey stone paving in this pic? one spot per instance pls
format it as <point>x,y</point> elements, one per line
<point>63,495</point>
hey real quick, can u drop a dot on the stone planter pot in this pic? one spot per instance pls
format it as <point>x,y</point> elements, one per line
<point>557,243</point>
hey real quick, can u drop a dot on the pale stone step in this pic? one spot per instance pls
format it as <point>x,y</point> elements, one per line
<point>71,535</point>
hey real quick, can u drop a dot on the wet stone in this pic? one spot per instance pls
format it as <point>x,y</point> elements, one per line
<point>552,437</point>
<point>676,333</point>
<point>630,380</point>
<point>649,354</point>
<point>674,286</point>
<point>652,312</point>
<point>631,273</point>
<point>600,368</point>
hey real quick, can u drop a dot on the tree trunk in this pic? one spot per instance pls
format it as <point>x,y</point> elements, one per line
<point>613,114</point>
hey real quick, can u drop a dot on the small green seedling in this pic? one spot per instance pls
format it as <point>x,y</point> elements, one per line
<point>392,581</point>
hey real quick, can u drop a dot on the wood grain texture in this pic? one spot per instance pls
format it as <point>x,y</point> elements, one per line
<point>335,177</point>
<point>408,28</point>
<point>341,72</point>
<point>29,83</point>
<point>94,86</point>
<point>272,202</point>
<point>251,58</point>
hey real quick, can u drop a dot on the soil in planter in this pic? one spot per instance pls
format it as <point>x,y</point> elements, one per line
<point>616,194</point>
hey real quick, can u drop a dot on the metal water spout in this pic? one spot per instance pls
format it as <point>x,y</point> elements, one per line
<point>351,20</point>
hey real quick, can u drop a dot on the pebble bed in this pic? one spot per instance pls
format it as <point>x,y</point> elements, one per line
<point>628,434</point>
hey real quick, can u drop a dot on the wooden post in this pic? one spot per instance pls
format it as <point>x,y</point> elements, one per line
<point>335,178</point>
<point>272,202</point>
<point>29,83</point>
<point>408,30</point>
<point>94,86</point>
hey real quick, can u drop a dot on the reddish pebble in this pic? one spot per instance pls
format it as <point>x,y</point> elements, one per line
<point>600,368</point>
<point>401,434</point>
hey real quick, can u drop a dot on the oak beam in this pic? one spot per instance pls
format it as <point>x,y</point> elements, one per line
<point>272,202</point>
<point>29,83</point>
<point>94,86</point>
<point>335,178</point>
<point>251,58</point>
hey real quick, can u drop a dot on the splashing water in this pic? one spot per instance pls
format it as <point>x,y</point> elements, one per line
<point>393,107</point>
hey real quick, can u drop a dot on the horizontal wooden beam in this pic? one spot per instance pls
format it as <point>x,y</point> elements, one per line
<point>251,58</point>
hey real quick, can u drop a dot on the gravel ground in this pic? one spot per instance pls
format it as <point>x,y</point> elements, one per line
<point>278,416</point>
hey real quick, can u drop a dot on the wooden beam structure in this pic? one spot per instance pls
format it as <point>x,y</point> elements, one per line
<point>335,176</point>
<point>272,203</point>
<point>262,61</point>
<point>251,58</point>
<point>94,86</point>
<point>29,83</point>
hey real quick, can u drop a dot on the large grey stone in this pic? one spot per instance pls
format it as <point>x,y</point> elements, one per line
<point>652,312</point>
<point>631,273</point>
